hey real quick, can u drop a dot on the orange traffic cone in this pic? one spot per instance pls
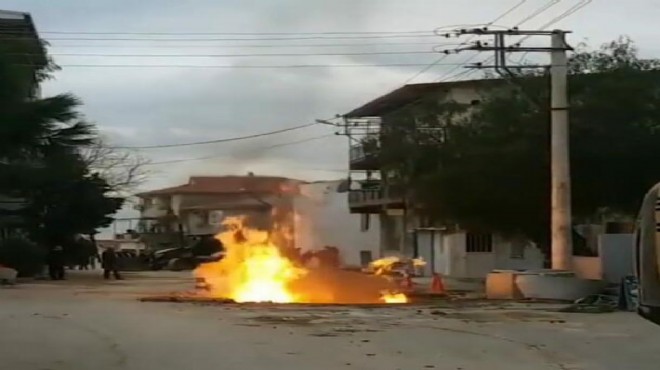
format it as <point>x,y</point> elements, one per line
<point>437,286</point>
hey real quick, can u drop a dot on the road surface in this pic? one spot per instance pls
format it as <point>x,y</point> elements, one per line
<point>86,323</point>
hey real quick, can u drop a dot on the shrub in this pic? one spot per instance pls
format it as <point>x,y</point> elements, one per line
<point>22,255</point>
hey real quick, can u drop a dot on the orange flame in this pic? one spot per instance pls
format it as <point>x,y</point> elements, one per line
<point>399,298</point>
<point>255,269</point>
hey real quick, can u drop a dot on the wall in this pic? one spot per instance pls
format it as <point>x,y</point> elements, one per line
<point>505,258</point>
<point>451,258</point>
<point>615,259</point>
<point>588,267</point>
<point>617,256</point>
<point>391,233</point>
<point>322,218</point>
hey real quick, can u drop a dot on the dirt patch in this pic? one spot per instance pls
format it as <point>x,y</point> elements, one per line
<point>287,320</point>
<point>498,316</point>
<point>179,298</point>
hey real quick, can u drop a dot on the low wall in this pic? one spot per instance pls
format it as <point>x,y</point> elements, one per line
<point>588,267</point>
<point>556,286</point>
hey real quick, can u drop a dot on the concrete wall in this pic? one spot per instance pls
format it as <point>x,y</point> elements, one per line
<point>391,234</point>
<point>617,255</point>
<point>451,258</point>
<point>588,267</point>
<point>322,218</point>
<point>507,255</point>
<point>614,260</point>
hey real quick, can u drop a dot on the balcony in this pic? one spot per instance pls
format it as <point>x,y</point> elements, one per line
<point>361,159</point>
<point>374,200</point>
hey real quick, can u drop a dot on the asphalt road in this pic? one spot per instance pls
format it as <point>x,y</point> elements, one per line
<point>86,323</point>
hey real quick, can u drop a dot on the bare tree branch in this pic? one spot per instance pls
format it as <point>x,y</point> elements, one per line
<point>123,169</point>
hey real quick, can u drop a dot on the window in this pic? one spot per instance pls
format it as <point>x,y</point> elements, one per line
<point>478,243</point>
<point>365,258</point>
<point>364,222</point>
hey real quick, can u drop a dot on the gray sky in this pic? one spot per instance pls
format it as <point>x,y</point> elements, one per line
<point>140,106</point>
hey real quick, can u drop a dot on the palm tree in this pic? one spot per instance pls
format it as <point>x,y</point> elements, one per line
<point>33,128</point>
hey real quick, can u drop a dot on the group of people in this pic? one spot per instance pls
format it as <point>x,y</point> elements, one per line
<point>57,260</point>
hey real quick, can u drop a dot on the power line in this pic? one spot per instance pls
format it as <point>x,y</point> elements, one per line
<point>542,9</point>
<point>234,33</point>
<point>241,55</point>
<point>325,45</point>
<point>570,11</point>
<point>220,156</point>
<point>437,61</point>
<point>216,141</point>
<point>283,66</point>
<point>225,39</point>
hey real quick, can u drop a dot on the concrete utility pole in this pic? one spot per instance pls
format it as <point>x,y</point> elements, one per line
<point>561,228</point>
<point>562,246</point>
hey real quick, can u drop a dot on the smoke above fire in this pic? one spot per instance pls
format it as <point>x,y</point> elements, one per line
<point>256,269</point>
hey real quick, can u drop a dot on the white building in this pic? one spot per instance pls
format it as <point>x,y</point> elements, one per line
<point>323,218</point>
<point>375,194</point>
<point>468,255</point>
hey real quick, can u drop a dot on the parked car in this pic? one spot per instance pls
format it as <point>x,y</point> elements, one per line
<point>206,249</point>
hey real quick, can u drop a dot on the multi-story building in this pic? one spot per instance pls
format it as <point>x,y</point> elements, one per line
<point>374,194</point>
<point>197,208</point>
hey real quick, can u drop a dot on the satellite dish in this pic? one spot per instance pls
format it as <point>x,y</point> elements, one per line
<point>647,256</point>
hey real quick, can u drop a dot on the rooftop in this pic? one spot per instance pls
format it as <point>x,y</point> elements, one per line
<point>20,26</point>
<point>229,185</point>
<point>411,93</point>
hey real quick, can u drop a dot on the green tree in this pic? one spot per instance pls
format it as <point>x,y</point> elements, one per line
<point>43,143</point>
<point>491,172</point>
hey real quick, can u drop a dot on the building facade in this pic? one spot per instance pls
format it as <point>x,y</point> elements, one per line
<point>403,231</point>
<point>170,216</point>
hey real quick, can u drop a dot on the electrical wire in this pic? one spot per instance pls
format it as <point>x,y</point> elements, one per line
<point>437,61</point>
<point>232,33</point>
<point>447,76</point>
<point>570,11</point>
<point>239,55</point>
<point>315,45</point>
<point>581,4</point>
<point>282,66</point>
<point>221,156</point>
<point>216,141</point>
<point>225,39</point>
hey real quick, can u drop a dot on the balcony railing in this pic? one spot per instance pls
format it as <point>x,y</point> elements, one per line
<point>375,197</point>
<point>365,196</point>
<point>358,153</point>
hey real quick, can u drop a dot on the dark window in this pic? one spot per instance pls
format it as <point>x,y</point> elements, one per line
<point>478,243</point>
<point>365,258</point>
<point>475,102</point>
<point>365,222</point>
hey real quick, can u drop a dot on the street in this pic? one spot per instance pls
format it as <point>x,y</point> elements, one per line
<point>86,323</point>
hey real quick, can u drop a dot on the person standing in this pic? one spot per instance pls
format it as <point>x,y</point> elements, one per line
<point>56,263</point>
<point>110,264</point>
